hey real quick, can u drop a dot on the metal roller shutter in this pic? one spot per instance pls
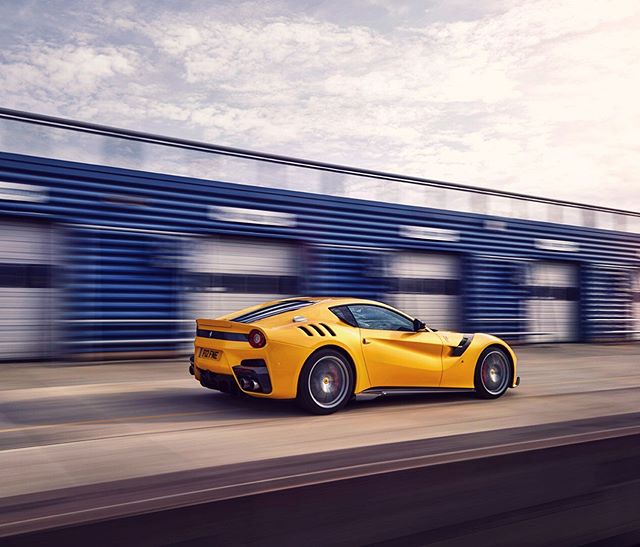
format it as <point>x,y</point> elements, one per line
<point>426,285</point>
<point>552,306</point>
<point>229,274</point>
<point>26,290</point>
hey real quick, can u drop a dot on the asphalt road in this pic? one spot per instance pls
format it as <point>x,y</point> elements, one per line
<point>568,483</point>
<point>67,425</point>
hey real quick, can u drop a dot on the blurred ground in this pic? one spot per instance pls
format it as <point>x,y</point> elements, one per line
<point>67,425</point>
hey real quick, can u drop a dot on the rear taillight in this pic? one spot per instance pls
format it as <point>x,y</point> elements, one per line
<point>257,339</point>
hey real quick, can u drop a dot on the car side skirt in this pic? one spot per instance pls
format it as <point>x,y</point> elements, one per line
<point>413,390</point>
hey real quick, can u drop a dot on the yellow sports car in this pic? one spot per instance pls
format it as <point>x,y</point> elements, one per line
<point>323,351</point>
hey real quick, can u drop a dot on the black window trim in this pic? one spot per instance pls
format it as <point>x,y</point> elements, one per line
<point>345,308</point>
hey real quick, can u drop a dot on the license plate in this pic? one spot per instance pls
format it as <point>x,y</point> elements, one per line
<point>207,353</point>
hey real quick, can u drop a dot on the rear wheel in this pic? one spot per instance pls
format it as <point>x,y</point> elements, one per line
<point>326,382</point>
<point>493,373</point>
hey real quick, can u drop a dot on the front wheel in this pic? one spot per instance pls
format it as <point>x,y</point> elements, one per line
<point>493,373</point>
<point>326,382</point>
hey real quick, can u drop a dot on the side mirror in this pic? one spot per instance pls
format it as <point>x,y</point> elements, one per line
<point>418,325</point>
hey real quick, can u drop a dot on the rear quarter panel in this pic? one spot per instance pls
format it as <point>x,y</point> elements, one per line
<point>290,347</point>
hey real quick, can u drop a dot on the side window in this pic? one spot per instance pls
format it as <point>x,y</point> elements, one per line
<point>343,313</point>
<point>376,317</point>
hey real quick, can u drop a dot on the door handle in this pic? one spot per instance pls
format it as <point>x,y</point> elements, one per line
<point>365,341</point>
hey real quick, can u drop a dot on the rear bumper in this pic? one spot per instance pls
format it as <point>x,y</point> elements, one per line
<point>221,382</point>
<point>253,376</point>
<point>275,368</point>
<point>250,376</point>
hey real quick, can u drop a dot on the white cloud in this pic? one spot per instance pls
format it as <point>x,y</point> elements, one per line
<point>70,69</point>
<point>536,96</point>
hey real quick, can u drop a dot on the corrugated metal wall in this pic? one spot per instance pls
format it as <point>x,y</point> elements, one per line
<point>122,291</point>
<point>496,295</point>
<point>126,237</point>
<point>608,302</point>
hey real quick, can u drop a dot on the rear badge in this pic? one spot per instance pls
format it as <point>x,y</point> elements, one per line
<point>207,353</point>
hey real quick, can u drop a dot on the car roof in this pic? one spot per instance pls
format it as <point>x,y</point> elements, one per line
<point>334,300</point>
<point>321,301</point>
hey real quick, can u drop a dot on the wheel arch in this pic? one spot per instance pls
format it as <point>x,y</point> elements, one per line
<point>507,351</point>
<point>340,350</point>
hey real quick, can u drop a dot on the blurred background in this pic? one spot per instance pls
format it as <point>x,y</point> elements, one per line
<point>164,161</point>
<point>114,241</point>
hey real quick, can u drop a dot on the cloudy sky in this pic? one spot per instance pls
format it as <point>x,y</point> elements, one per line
<point>534,96</point>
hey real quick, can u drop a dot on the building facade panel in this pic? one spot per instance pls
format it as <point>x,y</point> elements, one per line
<point>143,250</point>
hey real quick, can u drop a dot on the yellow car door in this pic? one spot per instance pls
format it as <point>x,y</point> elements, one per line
<point>394,354</point>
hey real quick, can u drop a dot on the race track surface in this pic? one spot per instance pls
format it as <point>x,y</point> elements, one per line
<point>67,425</point>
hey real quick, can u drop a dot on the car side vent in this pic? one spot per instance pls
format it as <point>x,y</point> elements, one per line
<point>328,329</point>
<point>462,346</point>
<point>311,330</point>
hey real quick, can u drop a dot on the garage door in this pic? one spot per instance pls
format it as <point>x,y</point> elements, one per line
<point>552,306</point>
<point>26,292</point>
<point>229,274</point>
<point>426,285</point>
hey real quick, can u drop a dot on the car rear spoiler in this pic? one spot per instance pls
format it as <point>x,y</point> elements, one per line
<point>222,324</point>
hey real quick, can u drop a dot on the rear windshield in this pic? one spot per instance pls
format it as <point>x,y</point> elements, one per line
<point>273,309</point>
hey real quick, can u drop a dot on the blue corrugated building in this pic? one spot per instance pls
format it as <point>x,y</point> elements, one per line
<point>116,253</point>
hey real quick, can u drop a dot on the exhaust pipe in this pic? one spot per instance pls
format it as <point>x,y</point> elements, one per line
<point>248,384</point>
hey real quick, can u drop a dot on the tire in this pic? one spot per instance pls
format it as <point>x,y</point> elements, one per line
<point>326,382</point>
<point>493,373</point>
